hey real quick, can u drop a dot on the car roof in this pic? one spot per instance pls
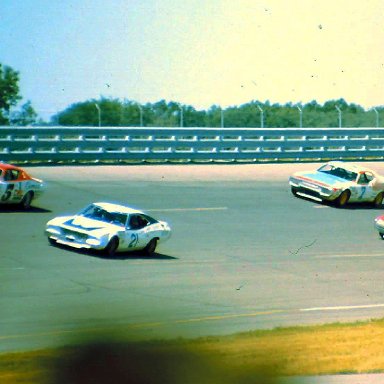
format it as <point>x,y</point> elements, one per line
<point>111,207</point>
<point>5,166</point>
<point>349,166</point>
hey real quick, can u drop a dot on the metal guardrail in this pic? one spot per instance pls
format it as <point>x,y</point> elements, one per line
<point>83,144</point>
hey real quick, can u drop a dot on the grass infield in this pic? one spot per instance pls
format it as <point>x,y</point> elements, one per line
<point>259,356</point>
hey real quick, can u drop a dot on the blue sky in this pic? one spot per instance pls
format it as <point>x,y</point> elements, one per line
<point>196,52</point>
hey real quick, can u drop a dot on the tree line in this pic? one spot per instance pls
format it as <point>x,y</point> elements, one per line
<point>113,112</point>
<point>116,113</point>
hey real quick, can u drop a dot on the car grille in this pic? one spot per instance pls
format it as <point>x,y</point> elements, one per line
<point>309,192</point>
<point>74,235</point>
<point>307,185</point>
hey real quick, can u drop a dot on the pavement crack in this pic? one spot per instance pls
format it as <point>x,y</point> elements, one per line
<point>302,247</point>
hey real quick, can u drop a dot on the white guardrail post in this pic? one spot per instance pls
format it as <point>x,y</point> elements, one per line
<point>148,144</point>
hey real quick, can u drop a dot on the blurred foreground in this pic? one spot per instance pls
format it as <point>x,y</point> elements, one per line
<point>327,354</point>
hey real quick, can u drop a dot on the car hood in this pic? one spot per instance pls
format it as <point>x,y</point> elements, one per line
<point>84,224</point>
<point>321,178</point>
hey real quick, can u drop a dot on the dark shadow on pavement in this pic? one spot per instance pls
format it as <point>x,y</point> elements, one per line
<point>16,208</point>
<point>361,206</point>
<point>135,255</point>
<point>141,256</point>
<point>351,206</point>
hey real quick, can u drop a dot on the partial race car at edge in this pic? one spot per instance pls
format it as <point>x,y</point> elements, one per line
<point>340,183</point>
<point>18,187</point>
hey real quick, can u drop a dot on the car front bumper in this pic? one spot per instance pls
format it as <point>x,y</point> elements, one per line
<point>74,239</point>
<point>313,190</point>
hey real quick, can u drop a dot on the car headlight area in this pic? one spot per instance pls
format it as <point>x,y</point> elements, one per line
<point>53,231</point>
<point>93,241</point>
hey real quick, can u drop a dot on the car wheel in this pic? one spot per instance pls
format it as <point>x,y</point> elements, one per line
<point>381,235</point>
<point>112,246</point>
<point>27,200</point>
<point>294,191</point>
<point>378,202</point>
<point>342,200</point>
<point>151,247</point>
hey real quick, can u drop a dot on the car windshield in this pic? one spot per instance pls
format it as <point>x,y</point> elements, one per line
<point>338,172</point>
<point>97,213</point>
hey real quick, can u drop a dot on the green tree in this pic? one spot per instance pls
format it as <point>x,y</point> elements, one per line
<point>26,116</point>
<point>87,113</point>
<point>213,118</point>
<point>193,118</point>
<point>9,92</point>
<point>166,114</point>
<point>133,114</point>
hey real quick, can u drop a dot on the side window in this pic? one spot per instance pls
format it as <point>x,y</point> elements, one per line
<point>143,222</point>
<point>15,174</point>
<point>150,220</point>
<point>364,178</point>
<point>137,222</point>
<point>133,222</point>
<point>7,176</point>
<point>326,168</point>
<point>11,174</point>
<point>369,176</point>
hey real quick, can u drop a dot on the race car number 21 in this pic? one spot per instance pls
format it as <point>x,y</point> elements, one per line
<point>134,240</point>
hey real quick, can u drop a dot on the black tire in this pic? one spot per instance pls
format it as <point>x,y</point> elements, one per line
<point>294,191</point>
<point>112,246</point>
<point>27,201</point>
<point>343,199</point>
<point>378,202</point>
<point>151,247</point>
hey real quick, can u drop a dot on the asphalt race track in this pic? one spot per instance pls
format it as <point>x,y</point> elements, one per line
<point>245,254</point>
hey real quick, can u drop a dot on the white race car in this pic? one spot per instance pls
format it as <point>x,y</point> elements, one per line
<point>110,228</point>
<point>340,183</point>
<point>18,187</point>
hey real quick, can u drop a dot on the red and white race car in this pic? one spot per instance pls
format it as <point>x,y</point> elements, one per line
<point>18,187</point>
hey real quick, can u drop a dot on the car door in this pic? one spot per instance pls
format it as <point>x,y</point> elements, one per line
<point>363,191</point>
<point>12,186</point>
<point>136,234</point>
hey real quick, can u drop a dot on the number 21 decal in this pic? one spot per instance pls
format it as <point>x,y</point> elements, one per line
<point>134,240</point>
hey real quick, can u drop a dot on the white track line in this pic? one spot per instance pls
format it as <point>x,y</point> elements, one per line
<point>186,209</point>
<point>342,308</point>
<point>348,255</point>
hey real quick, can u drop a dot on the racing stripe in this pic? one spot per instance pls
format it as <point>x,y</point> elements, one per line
<point>321,179</point>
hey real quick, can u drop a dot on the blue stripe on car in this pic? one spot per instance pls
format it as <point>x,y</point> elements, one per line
<point>324,178</point>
